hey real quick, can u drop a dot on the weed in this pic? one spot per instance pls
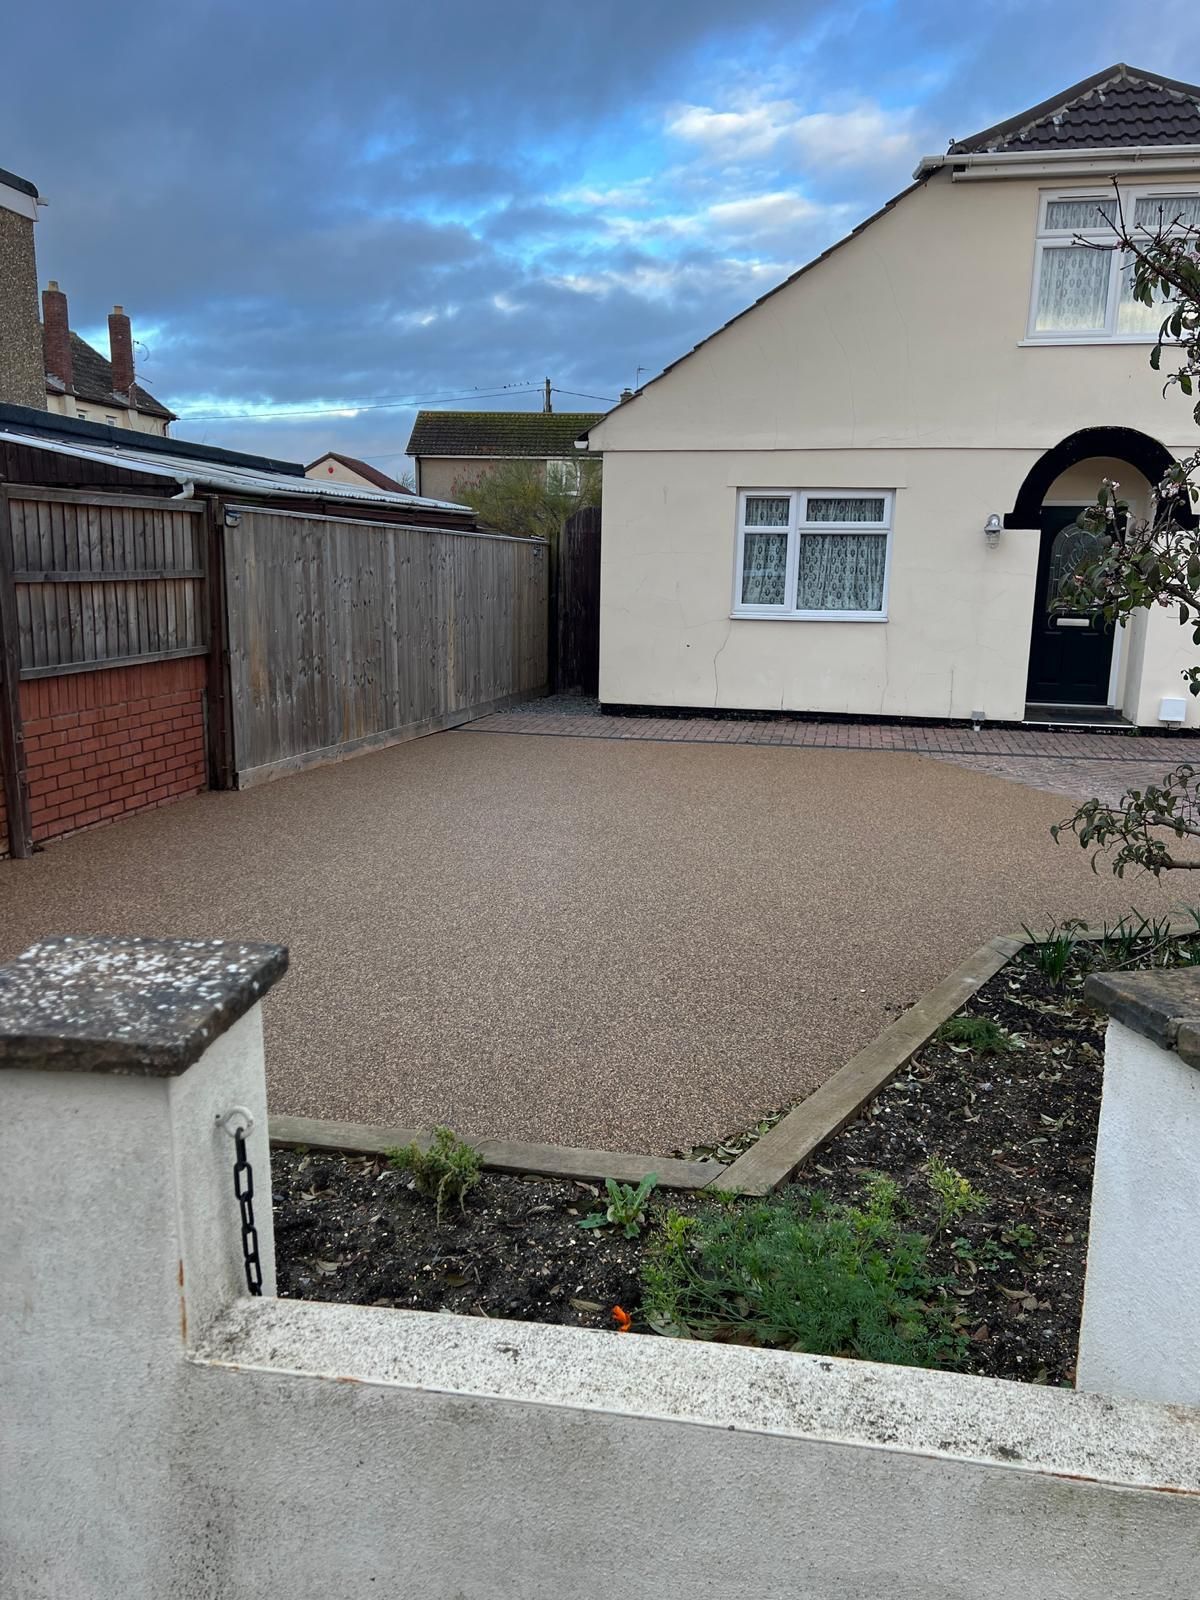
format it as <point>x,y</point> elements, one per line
<point>803,1272</point>
<point>1021,1236</point>
<point>984,1257</point>
<point>981,1035</point>
<point>448,1170</point>
<point>626,1207</point>
<point>1052,952</point>
<point>955,1195</point>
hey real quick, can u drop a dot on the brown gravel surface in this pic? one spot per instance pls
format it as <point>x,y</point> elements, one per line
<point>618,944</point>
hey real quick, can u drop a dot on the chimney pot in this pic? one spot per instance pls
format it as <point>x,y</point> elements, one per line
<point>56,336</point>
<point>120,350</point>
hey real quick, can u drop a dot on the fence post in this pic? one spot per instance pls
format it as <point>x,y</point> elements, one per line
<point>220,753</point>
<point>12,730</point>
<point>1141,1308</point>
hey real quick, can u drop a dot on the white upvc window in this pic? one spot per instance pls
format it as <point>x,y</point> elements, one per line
<point>819,555</point>
<point>1082,285</point>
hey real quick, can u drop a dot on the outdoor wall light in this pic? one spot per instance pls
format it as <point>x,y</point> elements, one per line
<point>991,530</point>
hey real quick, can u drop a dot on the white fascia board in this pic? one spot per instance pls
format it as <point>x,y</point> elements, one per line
<point>1064,163</point>
<point>15,200</point>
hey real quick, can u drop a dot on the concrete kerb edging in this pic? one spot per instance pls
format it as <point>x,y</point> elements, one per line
<point>772,1159</point>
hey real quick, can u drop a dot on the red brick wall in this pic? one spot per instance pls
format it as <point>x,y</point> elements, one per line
<point>100,745</point>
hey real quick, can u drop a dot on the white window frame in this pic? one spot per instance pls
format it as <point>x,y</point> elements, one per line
<point>1056,238</point>
<point>798,523</point>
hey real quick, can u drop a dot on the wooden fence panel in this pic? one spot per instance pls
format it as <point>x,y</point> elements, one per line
<point>104,580</point>
<point>346,635</point>
<point>578,660</point>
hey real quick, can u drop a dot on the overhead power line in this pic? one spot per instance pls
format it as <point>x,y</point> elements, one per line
<point>397,402</point>
<point>386,403</point>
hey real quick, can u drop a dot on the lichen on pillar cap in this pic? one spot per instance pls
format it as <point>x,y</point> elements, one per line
<point>90,1003</point>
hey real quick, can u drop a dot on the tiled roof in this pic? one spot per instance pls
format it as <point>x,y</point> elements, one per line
<point>1119,108</point>
<point>92,378</point>
<point>499,433</point>
<point>364,470</point>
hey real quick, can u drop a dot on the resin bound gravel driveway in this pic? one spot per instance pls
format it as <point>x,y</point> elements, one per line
<point>631,945</point>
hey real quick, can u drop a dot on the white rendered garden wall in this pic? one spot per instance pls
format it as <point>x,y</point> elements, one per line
<point>166,1435</point>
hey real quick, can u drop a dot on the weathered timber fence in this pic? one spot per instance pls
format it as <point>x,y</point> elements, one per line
<point>578,656</point>
<point>103,628</point>
<point>344,635</point>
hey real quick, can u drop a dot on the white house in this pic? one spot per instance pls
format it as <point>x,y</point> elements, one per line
<point>858,496</point>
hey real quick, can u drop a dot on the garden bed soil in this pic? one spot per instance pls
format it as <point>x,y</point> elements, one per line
<point>1020,1125</point>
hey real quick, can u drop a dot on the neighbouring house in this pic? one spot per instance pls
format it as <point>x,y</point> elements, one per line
<point>349,469</point>
<point>22,372</point>
<point>858,496</point>
<point>454,449</point>
<point>82,383</point>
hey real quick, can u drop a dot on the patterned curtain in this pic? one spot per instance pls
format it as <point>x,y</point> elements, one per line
<point>1081,216</point>
<point>1153,211</point>
<point>841,571</point>
<point>764,558</point>
<point>845,508</point>
<point>1073,291</point>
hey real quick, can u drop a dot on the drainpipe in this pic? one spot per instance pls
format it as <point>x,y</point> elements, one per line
<point>188,490</point>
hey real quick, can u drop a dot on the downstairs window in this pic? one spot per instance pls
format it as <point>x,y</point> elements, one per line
<point>813,554</point>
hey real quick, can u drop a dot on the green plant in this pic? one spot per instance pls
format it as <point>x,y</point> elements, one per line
<point>985,1256</point>
<point>979,1034</point>
<point>1020,1235</point>
<point>447,1170</point>
<point>955,1195</point>
<point>1052,952</point>
<point>626,1207</point>
<point>803,1272</point>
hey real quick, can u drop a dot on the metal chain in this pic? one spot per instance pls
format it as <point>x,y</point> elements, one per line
<point>243,1187</point>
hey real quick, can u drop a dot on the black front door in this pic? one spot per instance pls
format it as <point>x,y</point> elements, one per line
<point>1070,652</point>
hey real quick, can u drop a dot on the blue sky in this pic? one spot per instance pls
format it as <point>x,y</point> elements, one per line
<point>337,211</point>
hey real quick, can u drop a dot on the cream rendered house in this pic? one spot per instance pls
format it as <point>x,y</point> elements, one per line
<point>857,497</point>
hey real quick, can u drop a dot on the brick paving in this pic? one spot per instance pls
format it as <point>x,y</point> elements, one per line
<point>1073,762</point>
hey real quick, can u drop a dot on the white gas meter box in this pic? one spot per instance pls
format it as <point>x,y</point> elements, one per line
<point>1172,708</point>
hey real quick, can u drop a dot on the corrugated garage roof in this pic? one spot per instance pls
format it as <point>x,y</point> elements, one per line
<point>222,474</point>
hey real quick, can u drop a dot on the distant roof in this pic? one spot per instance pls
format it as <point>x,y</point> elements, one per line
<point>538,434</point>
<point>13,182</point>
<point>92,380</point>
<point>1119,108</point>
<point>364,470</point>
<point>183,462</point>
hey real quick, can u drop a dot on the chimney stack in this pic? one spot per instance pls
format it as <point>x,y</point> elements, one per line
<point>56,336</point>
<point>120,352</point>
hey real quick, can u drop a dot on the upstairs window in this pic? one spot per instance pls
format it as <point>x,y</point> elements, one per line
<point>813,554</point>
<point>1084,291</point>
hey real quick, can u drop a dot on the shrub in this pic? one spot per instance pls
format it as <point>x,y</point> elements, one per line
<point>448,1170</point>
<point>803,1272</point>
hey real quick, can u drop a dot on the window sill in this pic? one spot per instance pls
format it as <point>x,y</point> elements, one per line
<point>808,616</point>
<point>1057,341</point>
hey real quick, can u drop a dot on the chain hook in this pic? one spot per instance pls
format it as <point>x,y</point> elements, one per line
<point>237,1120</point>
